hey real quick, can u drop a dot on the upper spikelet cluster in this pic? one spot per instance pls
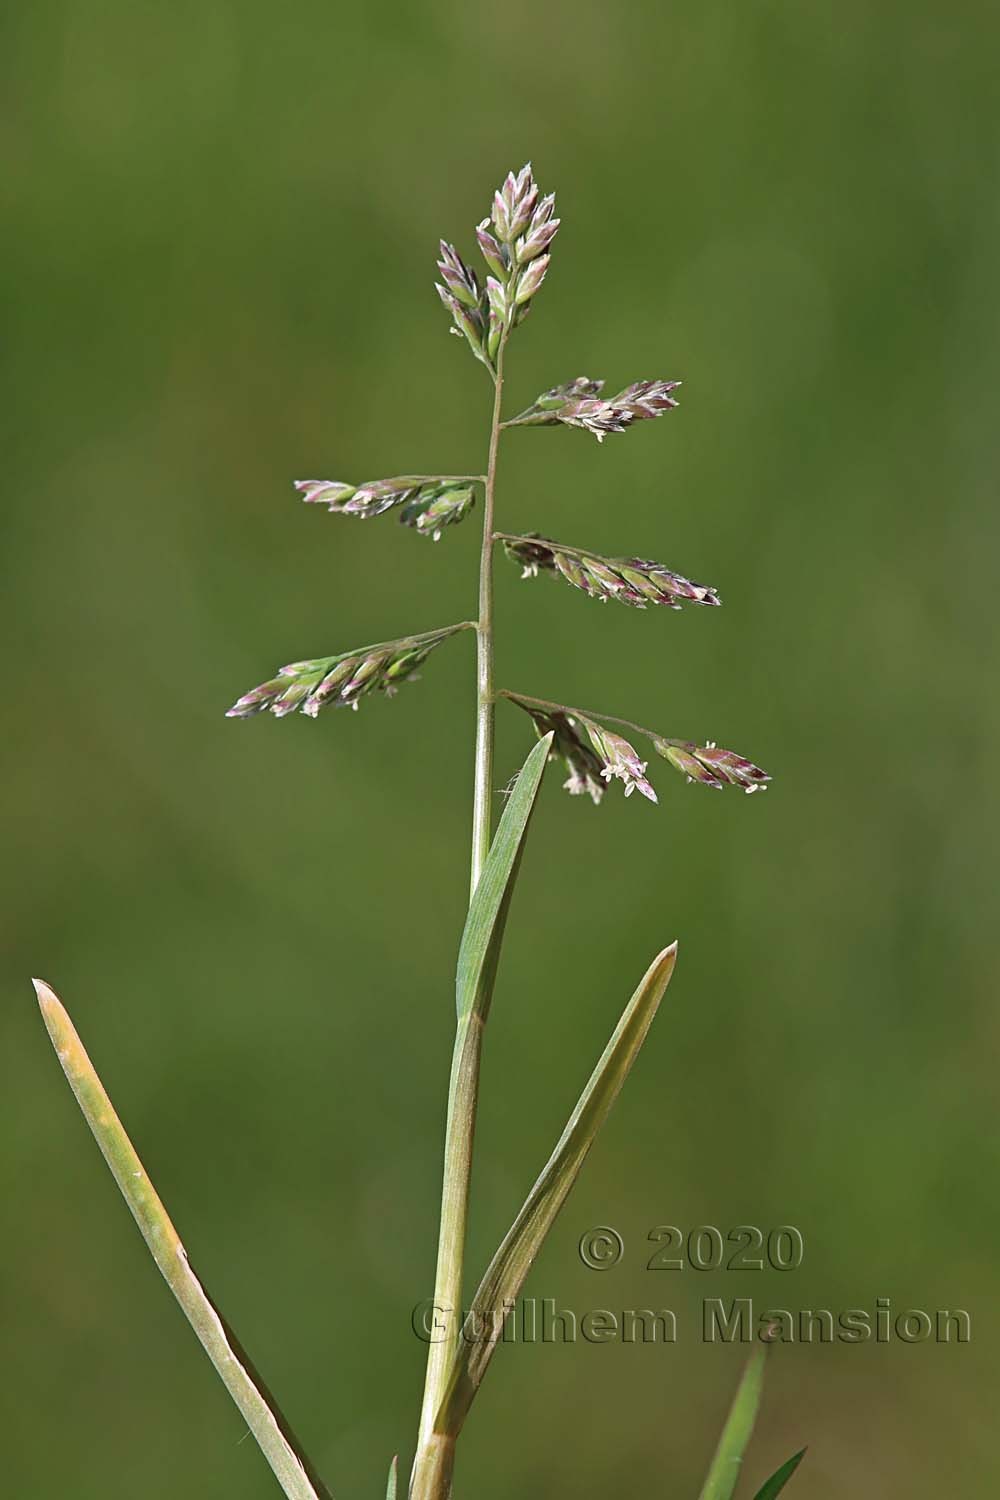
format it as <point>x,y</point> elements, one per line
<point>514,241</point>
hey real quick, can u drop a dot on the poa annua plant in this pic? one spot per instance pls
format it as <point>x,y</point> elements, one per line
<point>516,243</point>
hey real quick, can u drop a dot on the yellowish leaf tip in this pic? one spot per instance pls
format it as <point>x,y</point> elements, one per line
<point>45,993</point>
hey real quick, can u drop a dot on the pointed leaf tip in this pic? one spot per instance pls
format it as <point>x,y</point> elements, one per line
<point>390,1490</point>
<point>668,956</point>
<point>772,1487</point>
<point>725,1468</point>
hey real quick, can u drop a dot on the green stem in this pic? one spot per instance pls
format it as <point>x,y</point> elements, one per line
<point>481,811</point>
<point>434,1460</point>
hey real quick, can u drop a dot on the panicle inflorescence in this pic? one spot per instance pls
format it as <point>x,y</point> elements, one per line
<point>630,580</point>
<point>578,403</point>
<point>341,681</point>
<point>594,753</point>
<point>514,242</point>
<point>427,503</point>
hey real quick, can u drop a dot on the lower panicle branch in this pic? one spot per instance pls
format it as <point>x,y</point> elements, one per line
<point>595,755</point>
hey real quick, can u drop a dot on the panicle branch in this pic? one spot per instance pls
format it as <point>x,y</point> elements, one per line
<point>427,502</point>
<point>630,580</point>
<point>578,403</point>
<point>341,681</point>
<point>594,754</point>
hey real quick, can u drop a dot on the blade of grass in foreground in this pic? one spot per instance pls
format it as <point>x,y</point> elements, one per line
<point>390,1489</point>
<point>506,1274</point>
<point>291,1467</point>
<point>773,1487</point>
<point>725,1470</point>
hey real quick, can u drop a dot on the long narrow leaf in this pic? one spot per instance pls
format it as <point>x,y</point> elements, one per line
<point>480,948</point>
<point>506,1274</point>
<point>291,1467</point>
<point>780,1477</point>
<point>478,957</point>
<point>390,1489</point>
<point>725,1469</point>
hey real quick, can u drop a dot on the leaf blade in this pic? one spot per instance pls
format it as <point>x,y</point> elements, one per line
<point>506,1274</point>
<point>390,1489</point>
<point>479,952</point>
<point>773,1486</point>
<point>724,1470</point>
<point>291,1467</point>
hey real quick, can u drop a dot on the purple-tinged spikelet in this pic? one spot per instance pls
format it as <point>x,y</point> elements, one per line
<point>458,277</point>
<point>712,766</point>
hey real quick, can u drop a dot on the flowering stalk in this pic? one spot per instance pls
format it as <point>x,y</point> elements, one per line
<point>434,1459</point>
<point>435,1453</point>
<point>516,243</point>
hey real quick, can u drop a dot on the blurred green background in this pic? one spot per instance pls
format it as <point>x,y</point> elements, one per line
<point>221,222</point>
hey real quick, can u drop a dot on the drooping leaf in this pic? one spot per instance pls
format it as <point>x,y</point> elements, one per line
<point>506,1273</point>
<point>479,952</point>
<point>277,1443</point>
<point>725,1468</point>
<point>780,1477</point>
